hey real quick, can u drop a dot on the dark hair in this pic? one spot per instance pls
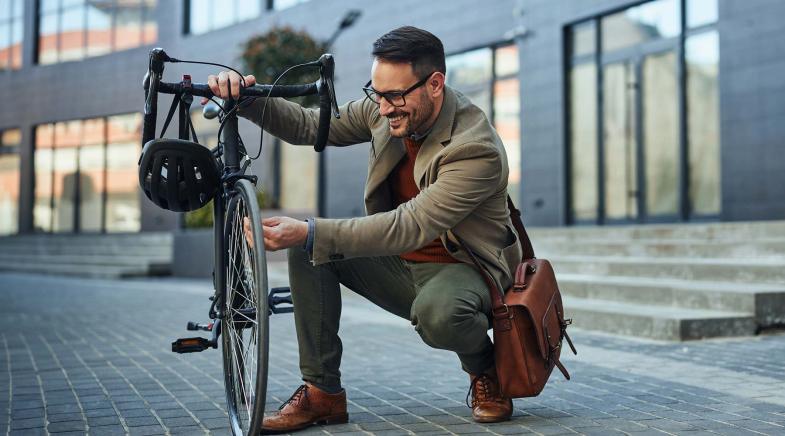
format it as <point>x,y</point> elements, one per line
<point>417,47</point>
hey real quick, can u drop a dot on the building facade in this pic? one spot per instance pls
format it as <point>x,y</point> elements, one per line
<point>611,111</point>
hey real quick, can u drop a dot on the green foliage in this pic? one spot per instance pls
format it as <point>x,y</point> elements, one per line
<point>267,55</point>
<point>203,218</point>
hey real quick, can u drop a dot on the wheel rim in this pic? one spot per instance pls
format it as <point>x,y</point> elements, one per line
<point>242,325</point>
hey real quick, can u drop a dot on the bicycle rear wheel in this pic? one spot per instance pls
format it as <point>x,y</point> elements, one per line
<point>244,326</point>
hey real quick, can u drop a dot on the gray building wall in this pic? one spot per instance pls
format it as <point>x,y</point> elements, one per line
<point>751,91</point>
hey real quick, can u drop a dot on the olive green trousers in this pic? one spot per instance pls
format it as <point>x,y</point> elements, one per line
<point>448,304</point>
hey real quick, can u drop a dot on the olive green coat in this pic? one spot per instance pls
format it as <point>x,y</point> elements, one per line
<point>461,170</point>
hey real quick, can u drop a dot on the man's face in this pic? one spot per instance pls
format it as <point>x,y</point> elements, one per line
<point>407,119</point>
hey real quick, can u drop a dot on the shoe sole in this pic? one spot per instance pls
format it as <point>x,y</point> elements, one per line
<point>330,420</point>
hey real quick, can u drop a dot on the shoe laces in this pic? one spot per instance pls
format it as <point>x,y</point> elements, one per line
<point>482,387</point>
<point>297,396</point>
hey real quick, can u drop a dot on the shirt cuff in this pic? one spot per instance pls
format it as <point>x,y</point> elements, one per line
<point>309,240</point>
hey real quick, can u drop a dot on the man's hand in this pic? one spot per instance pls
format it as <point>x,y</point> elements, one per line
<point>280,232</point>
<point>227,84</point>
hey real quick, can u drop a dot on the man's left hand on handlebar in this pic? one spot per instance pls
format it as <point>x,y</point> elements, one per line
<point>280,232</point>
<point>227,84</point>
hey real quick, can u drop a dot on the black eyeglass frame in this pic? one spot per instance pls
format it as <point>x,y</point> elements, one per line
<point>370,92</point>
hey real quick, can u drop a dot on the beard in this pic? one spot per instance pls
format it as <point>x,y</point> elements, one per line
<point>405,123</point>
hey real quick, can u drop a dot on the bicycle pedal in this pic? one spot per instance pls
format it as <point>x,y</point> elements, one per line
<point>193,326</point>
<point>191,345</point>
<point>279,296</point>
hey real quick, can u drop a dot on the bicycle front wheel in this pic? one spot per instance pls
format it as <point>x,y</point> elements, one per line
<point>244,326</point>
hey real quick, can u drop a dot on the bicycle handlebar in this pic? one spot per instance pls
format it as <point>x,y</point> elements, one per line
<point>324,87</point>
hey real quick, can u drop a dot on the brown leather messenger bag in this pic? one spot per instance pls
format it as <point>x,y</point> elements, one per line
<point>528,321</point>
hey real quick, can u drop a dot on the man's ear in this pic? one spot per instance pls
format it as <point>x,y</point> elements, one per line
<point>436,84</point>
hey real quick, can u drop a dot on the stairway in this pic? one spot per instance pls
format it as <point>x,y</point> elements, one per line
<point>97,256</point>
<point>670,282</point>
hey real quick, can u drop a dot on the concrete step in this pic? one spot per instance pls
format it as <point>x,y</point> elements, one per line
<point>771,271</point>
<point>706,231</point>
<point>656,322</point>
<point>769,248</point>
<point>82,270</point>
<point>765,301</point>
<point>85,259</point>
<point>104,250</point>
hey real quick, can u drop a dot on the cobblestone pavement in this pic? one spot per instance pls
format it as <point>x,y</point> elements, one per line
<point>91,356</point>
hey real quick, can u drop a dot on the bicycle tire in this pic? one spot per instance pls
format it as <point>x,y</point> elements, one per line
<point>245,338</point>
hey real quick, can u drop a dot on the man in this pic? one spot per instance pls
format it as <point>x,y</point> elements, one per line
<point>437,175</point>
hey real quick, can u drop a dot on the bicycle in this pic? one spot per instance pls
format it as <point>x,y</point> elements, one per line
<point>181,175</point>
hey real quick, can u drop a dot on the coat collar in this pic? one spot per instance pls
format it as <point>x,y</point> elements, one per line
<point>391,150</point>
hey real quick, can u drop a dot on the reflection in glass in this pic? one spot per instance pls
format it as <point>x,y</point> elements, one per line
<point>506,111</point>
<point>47,39</point>
<point>283,4</point>
<point>199,16</point>
<point>583,141</point>
<point>5,44</point>
<point>42,210</point>
<point>299,169</point>
<point>122,193</point>
<point>223,14</point>
<point>17,34</point>
<point>701,12</point>
<point>205,15</point>
<point>9,180</point>
<point>582,39</point>
<point>466,71</point>
<point>702,55</point>
<point>99,30</point>
<point>128,26</point>
<point>649,21</point>
<point>91,187</point>
<point>506,60</point>
<point>64,189</point>
<point>620,184</point>
<point>72,23</point>
<point>661,134</point>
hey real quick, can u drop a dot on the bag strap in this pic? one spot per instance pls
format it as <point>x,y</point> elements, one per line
<point>500,310</point>
<point>526,243</point>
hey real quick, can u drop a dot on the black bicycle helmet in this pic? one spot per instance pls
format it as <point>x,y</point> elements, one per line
<point>178,175</point>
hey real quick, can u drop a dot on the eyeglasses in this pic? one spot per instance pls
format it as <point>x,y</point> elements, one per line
<point>395,98</point>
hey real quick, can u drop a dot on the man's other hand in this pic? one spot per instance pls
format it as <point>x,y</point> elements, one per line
<point>226,84</point>
<point>280,232</point>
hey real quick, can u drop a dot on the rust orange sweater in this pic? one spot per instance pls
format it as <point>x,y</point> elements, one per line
<point>401,181</point>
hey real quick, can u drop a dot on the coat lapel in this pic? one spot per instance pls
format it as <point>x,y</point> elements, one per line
<point>440,134</point>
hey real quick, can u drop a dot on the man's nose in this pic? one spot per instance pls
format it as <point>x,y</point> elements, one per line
<point>385,108</point>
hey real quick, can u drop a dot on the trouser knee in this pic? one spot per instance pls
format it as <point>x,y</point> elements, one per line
<point>447,324</point>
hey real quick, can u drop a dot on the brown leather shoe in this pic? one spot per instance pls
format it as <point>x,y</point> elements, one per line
<point>488,404</point>
<point>308,405</point>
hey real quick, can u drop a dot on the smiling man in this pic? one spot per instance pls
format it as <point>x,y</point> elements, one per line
<point>437,175</point>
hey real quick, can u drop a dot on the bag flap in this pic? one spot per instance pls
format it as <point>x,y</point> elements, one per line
<point>536,292</point>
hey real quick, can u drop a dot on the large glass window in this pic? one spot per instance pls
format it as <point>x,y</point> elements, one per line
<point>9,180</point>
<point>283,4</point>
<point>86,175</point>
<point>11,31</point>
<point>74,29</point>
<point>634,170</point>
<point>489,78</point>
<point>203,16</point>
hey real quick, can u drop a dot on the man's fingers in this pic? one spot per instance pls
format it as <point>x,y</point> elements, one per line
<point>223,84</point>
<point>271,221</point>
<point>203,101</point>
<point>234,84</point>
<point>212,82</point>
<point>250,80</point>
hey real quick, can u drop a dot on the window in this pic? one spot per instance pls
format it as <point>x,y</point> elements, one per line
<point>9,180</point>
<point>11,31</point>
<point>283,4</point>
<point>203,16</point>
<point>489,78</point>
<point>626,109</point>
<point>71,30</point>
<point>86,175</point>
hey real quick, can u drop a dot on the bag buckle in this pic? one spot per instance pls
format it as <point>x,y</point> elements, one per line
<point>507,313</point>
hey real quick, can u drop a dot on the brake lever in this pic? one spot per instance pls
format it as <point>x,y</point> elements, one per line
<point>326,71</point>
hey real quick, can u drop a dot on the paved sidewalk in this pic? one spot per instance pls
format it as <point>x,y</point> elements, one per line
<point>92,356</point>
